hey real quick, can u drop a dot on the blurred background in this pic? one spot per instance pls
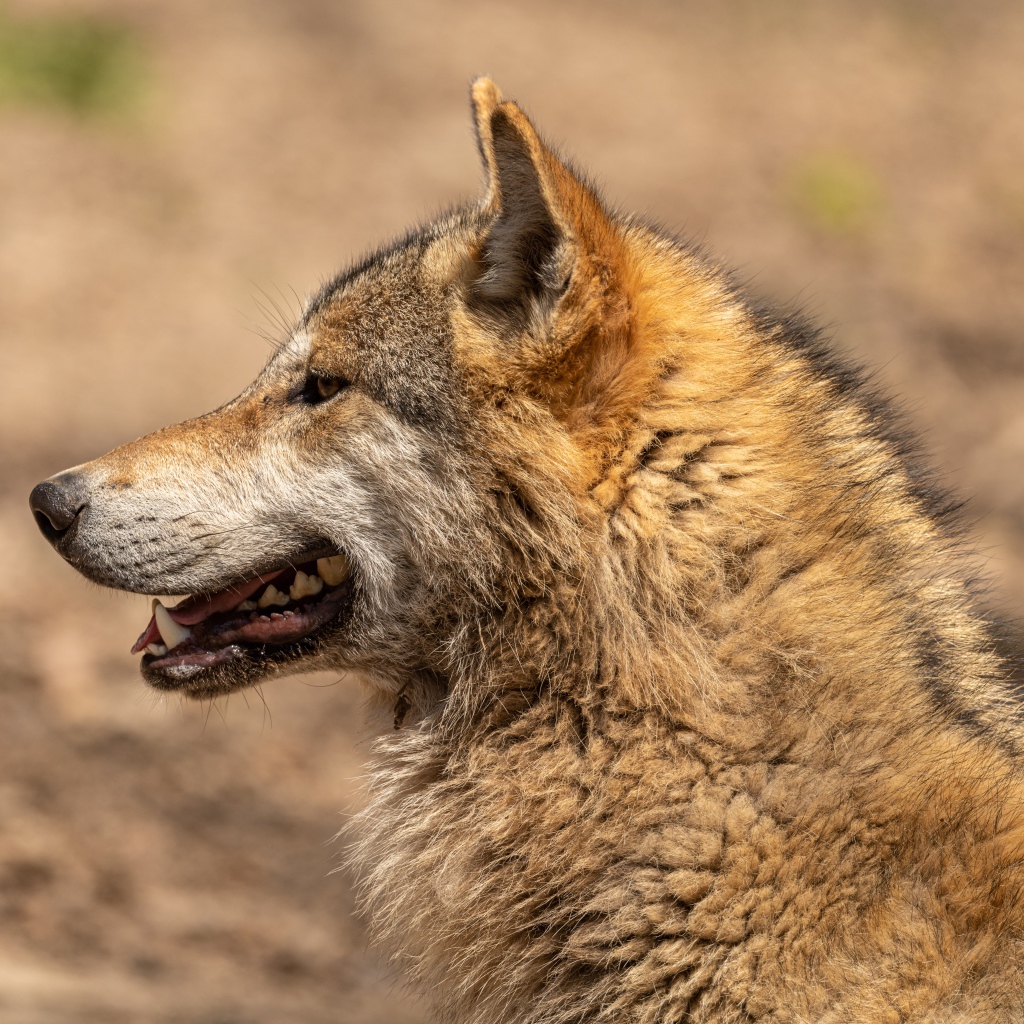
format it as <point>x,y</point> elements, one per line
<point>176,174</point>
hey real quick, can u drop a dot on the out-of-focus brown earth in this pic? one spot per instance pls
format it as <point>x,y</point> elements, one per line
<point>162,862</point>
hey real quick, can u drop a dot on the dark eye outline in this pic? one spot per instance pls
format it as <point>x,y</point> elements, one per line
<point>319,388</point>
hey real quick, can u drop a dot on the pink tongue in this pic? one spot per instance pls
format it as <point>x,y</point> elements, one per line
<point>196,609</point>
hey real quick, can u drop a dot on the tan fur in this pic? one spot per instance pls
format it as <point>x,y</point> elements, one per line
<point>704,723</point>
<point>735,801</point>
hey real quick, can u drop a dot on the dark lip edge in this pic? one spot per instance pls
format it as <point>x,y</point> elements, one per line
<point>345,603</point>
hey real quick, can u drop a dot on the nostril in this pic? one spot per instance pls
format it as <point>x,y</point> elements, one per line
<point>55,505</point>
<point>48,529</point>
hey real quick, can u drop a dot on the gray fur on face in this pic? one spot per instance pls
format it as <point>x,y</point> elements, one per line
<point>377,473</point>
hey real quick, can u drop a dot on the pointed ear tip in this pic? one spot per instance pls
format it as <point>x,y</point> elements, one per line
<point>485,93</point>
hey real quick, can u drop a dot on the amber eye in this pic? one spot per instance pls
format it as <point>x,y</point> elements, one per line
<point>320,388</point>
<point>327,386</point>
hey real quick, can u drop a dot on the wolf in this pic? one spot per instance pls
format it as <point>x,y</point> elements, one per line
<point>696,717</point>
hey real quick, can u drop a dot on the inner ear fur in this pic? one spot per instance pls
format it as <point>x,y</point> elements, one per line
<point>535,200</point>
<point>520,247</point>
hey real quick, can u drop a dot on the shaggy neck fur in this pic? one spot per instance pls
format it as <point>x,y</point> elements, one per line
<point>723,744</point>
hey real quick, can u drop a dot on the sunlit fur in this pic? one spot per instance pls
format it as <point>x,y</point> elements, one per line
<point>702,723</point>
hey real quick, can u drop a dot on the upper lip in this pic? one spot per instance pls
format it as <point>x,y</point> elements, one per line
<point>270,565</point>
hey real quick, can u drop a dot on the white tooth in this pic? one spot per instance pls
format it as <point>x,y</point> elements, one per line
<point>158,649</point>
<point>305,586</point>
<point>333,570</point>
<point>171,632</point>
<point>247,606</point>
<point>298,588</point>
<point>272,596</point>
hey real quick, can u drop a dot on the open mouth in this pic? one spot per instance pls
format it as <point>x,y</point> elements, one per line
<point>271,611</point>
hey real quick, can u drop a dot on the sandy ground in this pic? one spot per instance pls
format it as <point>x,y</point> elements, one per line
<point>163,862</point>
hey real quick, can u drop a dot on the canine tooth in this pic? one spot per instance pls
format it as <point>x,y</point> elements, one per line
<point>171,632</point>
<point>272,596</point>
<point>333,570</point>
<point>158,649</point>
<point>247,606</point>
<point>298,588</point>
<point>305,586</point>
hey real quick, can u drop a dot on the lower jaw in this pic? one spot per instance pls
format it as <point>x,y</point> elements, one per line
<point>179,664</point>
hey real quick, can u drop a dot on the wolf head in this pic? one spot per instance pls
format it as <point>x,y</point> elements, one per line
<point>421,453</point>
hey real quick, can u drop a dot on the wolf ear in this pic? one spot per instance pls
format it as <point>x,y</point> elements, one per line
<point>536,201</point>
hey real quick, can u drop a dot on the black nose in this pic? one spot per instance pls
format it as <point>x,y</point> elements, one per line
<point>56,503</point>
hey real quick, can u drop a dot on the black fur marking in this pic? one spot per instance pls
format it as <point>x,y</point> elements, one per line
<point>887,422</point>
<point>680,472</point>
<point>933,656</point>
<point>653,447</point>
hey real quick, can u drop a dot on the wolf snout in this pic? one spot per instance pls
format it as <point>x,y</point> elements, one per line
<point>57,503</point>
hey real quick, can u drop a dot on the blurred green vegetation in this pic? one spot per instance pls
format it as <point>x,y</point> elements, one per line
<point>836,193</point>
<point>70,62</point>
